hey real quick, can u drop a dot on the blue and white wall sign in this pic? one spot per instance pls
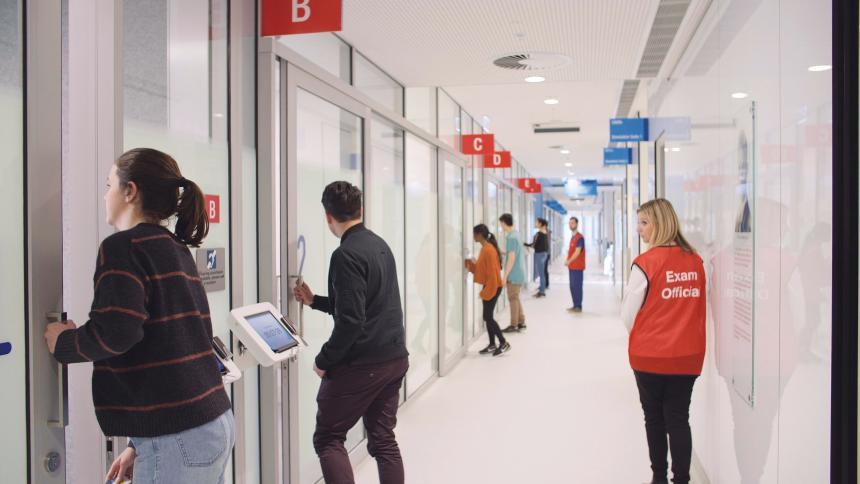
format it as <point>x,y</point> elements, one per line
<point>628,129</point>
<point>5,348</point>
<point>617,156</point>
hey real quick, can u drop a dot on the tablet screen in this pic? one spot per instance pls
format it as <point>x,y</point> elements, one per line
<point>272,331</point>
<point>221,367</point>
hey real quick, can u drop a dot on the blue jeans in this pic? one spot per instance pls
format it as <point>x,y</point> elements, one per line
<point>576,287</point>
<point>540,269</point>
<point>194,455</point>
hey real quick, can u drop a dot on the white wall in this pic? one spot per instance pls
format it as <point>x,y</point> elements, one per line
<point>763,48</point>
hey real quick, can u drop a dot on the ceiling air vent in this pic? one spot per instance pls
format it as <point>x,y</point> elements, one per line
<point>532,61</point>
<point>555,128</point>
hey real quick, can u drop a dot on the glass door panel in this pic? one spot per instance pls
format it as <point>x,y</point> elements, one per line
<point>13,407</point>
<point>329,148</point>
<point>454,277</point>
<point>422,291</point>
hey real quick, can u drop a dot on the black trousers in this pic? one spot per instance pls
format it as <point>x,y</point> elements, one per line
<point>666,403</point>
<point>349,393</point>
<point>546,269</point>
<point>493,330</point>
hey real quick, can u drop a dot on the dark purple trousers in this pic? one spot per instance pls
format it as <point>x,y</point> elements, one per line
<point>352,392</point>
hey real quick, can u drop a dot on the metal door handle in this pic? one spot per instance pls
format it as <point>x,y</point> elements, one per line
<point>62,419</point>
<point>301,318</point>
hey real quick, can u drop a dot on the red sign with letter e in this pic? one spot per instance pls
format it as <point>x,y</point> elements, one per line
<point>478,144</point>
<point>526,184</point>
<point>287,17</point>
<point>213,208</point>
<point>535,188</point>
<point>499,159</point>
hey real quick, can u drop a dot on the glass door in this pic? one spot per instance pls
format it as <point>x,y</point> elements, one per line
<point>328,143</point>
<point>453,272</point>
<point>13,355</point>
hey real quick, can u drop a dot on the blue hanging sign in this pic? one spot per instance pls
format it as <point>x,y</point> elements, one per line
<point>628,129</point>
<point>617,156</point>
<point>5,348</point>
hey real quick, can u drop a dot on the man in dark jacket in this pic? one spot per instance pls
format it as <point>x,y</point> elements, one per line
<point>363,363</point>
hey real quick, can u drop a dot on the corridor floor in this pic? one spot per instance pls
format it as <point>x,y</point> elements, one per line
<point>561,407</point>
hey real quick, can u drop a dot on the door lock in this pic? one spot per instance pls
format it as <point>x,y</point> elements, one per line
<point>53,461</point>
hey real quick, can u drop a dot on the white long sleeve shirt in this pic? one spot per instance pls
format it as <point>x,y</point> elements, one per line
<point>634,297</point>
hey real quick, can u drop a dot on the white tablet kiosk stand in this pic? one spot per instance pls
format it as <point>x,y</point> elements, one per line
<point>269,336</point>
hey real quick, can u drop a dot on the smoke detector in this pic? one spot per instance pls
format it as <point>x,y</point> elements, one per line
<point>532,61</point>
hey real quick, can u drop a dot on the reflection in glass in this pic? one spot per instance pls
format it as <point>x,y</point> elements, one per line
<point>13,451</point>
<point>323,49</point>
<point>372,81</point>
<point>329,148</point>
<point>452,227</point>
<point>422,293</point>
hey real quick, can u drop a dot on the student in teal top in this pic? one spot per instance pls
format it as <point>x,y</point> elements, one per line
<point>514,273</point>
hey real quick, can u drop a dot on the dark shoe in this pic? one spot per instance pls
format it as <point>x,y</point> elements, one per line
<point>571,310</point>
<point>537,294</point>
<point>511,329</point>
<point>489,349</point>
<point>577,310</point>
<point>502,349</point>
<point>522,326</point>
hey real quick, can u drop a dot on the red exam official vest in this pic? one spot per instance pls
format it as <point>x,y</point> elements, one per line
<point>668,336</point>
<point>579,263</point>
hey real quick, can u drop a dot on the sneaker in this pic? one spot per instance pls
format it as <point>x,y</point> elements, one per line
<point>538,294</point>
<point>489,349</point>
<point>522,326</point>
<point>571,310</point>
<point>502,349</point>
<point>577,310</point>
<point>511,329</point>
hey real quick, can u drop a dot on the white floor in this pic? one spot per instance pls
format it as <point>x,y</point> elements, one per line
<point>561,407</point>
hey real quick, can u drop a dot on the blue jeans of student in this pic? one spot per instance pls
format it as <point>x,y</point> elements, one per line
<point>576,287</point>
<point>199,454</point>
<point>540,269</point>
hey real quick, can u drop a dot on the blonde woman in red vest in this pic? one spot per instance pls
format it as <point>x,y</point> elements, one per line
<point>664,310</point>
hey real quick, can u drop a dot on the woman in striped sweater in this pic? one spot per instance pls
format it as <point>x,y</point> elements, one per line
<point>149,336</point>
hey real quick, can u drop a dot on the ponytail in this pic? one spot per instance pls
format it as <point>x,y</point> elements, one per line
<point>159,182</point>
<point>192,221</point>
<point>492,240</point>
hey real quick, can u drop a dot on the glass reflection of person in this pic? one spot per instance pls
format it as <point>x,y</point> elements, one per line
<point>753,425</point>
<point>743,218</point>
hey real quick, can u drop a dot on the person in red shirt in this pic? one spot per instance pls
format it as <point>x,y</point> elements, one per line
<point>664,309</point>
<point>575,265</point>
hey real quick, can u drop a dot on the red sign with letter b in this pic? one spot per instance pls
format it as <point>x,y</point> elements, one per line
<point>286,17</point>
<point>213,208</point>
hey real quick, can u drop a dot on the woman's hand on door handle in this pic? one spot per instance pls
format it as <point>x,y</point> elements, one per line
<point>53,330</point>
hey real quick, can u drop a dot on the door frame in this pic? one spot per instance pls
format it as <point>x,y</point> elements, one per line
<point>445,156</point>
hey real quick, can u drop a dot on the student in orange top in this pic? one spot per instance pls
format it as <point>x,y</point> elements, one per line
<point>664,310</point>
<point>487,271</point>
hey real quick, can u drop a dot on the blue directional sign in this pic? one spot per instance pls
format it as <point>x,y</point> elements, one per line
<point>617,156</point>
<point>5,348</point>
<point>628,129</point>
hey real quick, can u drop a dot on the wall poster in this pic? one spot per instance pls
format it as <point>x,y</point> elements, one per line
<point>743,278</point>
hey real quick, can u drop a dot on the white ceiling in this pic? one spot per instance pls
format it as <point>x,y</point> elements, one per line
<point>452,43</point>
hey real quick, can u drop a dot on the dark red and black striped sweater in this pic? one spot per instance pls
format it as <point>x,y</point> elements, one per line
<point>150,338</point>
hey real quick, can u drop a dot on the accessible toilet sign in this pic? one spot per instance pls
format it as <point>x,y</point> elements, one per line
<point>288,17</point>
<point>477,144</point>
<point>499,159</point>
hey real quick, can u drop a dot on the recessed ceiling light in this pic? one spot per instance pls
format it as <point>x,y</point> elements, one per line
<point>550,101</point>
<point>568,165</point>
<point>535,79</point>
<point>740,95</point>
<point>676,149</point>
<point>565,152</point>
<point>821,68</point>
